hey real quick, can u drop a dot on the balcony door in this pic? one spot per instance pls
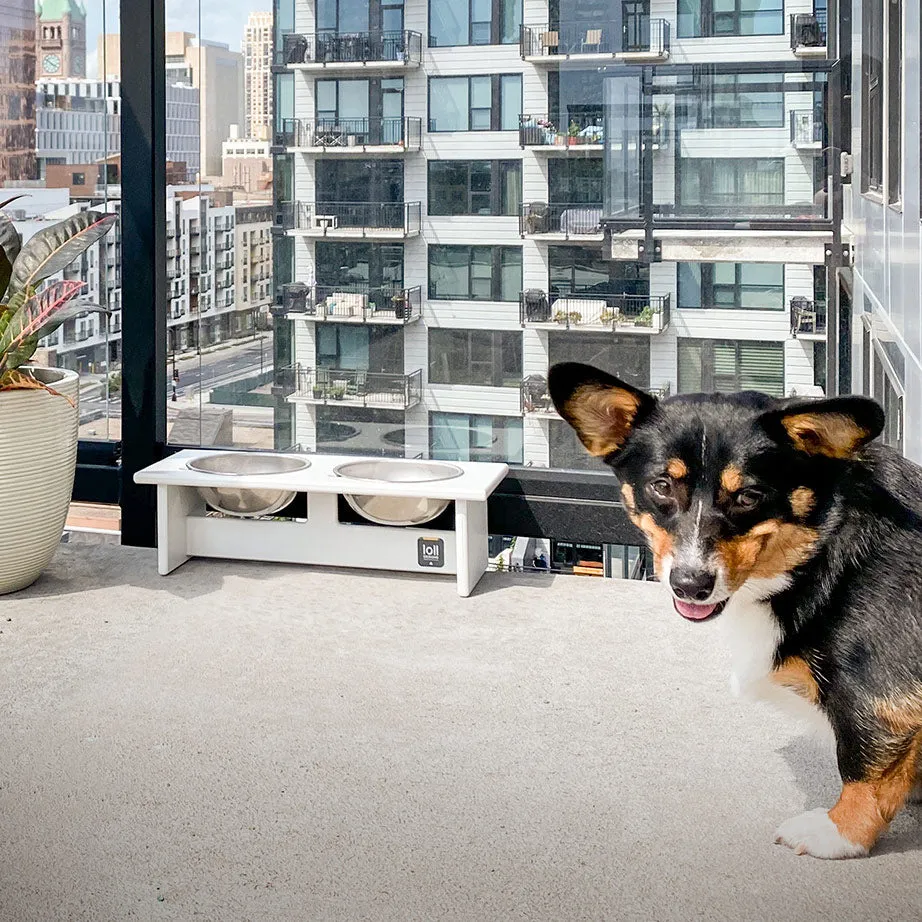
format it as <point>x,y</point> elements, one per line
<point>349,17</point>
<point>635,25</point>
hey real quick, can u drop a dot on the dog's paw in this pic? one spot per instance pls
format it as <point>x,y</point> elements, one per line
<point>814,833</point>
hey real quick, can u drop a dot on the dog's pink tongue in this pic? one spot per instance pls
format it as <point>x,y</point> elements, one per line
<point>692,611</point>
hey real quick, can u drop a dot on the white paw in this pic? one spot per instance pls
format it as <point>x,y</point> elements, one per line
<point>814,833</point>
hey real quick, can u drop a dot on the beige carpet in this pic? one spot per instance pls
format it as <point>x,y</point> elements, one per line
<point>239,742</point>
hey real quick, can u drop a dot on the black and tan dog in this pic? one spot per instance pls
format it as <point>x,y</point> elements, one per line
<point>780,520</point>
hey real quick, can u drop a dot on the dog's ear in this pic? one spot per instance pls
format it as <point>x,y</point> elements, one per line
<point>601,408</point>
<point>837,427</point>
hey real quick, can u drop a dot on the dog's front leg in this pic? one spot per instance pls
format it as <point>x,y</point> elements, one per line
<point>878,773</point>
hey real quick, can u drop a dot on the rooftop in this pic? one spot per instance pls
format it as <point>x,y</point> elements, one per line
<point>242,741</point>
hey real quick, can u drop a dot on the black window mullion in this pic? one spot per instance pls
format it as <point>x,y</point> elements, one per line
<point>495,103</point>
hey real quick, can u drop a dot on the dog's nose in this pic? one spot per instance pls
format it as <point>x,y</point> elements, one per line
<point>692,585</point>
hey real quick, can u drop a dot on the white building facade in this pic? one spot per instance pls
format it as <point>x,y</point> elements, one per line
<point>256,49</point>
<point>444,216</point>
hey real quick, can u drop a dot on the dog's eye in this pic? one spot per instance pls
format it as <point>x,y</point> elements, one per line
<point>748,499</point>
<point>661,488</point>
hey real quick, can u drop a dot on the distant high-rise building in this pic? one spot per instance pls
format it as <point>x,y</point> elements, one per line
<point>257,74</point>
<point>60,38</point>
<point>17,90</point>
<point>213,69</point>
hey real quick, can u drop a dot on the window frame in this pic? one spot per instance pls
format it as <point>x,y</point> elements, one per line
<point>497,252</point>
<point>497,421</point>
<point>737,175</point>
<point>499,170</point>
<point>706,353</point>
<point>707,16</point>
<point>496,25</point>
<point>873,67</point>
<point>498,347</point>
<point>708,286</point>
<point>496,102</point>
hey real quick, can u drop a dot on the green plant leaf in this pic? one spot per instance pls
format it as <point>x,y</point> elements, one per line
<point>10,245</point>
<point>54,248</point>
<point>35,316</point>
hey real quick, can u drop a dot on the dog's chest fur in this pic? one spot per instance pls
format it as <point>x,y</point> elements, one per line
<point>752,634</point>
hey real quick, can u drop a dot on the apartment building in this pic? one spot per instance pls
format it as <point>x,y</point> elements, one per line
<point>79,121</point>
<point>17,90</point>
<point>252,265</point>
<point>452,218</point>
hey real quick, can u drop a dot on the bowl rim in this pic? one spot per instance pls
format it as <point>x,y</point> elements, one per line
<point>303,464</point>
<point>455,470</point>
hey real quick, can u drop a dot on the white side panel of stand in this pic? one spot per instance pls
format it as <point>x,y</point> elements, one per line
<point>174,504</point>
<point>473,544</point>
<point>323,544</point>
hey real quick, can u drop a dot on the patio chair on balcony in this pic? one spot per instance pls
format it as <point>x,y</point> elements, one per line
<point>550,42</point>
<point>358,387</point>
<point>804,316</point>
<point>537,307</point>
<point>296,51</point>
<point>593,41</point>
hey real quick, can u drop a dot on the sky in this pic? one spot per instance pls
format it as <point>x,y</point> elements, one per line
<point>215,20</point>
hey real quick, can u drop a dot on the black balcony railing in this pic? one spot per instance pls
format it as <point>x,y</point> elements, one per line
<point>593,311</point>
<point>576,132</point>
<point>536,398</point>
<point>808,30</point>
<point>324,48</point>
<point>358,388</point>
<point>806,128</point>
<point>808,317</point>
<point>351,133</point>
<point>364,218</point>
<point>570,220</point>
<point>636,34</point>
<point>356,302</point>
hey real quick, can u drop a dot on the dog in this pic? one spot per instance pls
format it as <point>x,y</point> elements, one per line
<point>782,521</point>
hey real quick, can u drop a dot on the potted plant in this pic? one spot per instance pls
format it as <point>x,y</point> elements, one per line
<point>317,392</point>
<point>644,318</point>
<point>560,316</point>
<point>338,392</point>
<point>573,134</point>
<point>575,317</point>
<point>38,406</point>
<point>606,315</point>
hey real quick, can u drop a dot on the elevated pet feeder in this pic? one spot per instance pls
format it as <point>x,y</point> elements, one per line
<point>399,496</point>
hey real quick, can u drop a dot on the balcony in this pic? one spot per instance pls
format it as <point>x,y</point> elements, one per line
<point>637,39</point>
<point>350,136</point>
<point>352,220</point>
<point>537,403</point>
<point>352,388</point>
<point>808,319</point>
<point>806,130</point>
<point>363,51</point>
<point>353,303</point>
<point>808,34</point>
<point>573,222</point>
<point>588,312</point>
<point>579,137</point>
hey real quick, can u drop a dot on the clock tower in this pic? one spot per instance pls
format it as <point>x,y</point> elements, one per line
<point>60,39</point>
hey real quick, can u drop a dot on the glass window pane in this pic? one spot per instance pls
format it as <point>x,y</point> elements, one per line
<point>510,21</point>
<point>689,284</point>
<point>510,273</point>
<point>448,23</point>
<point>448,104</point>
<point>511,102</point>
<point>449,272</point>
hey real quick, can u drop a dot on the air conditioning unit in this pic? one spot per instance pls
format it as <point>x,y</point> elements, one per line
<point>807,31</point>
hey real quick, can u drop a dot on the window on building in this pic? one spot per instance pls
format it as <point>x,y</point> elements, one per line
<point>475,273</point>
<point>582,270</point>
<point>732,101</point>
<point>728,182</point>
<point>78,179</point>
<point>567,452</point>
<point>740,286</point>
<point>481,103</point>
<point>703,18</point>
<point>360,347</point>
<point>575,181</point>
<point>357,266</point>
<point>727,366</point>
<point>872,95</point>
<point>359,181</point>
<point>627,357</point>
<point>471,437</point>
<point>486,358</point>
<point>894,99</point>
<point>475,187</point>
<point>474,22</point>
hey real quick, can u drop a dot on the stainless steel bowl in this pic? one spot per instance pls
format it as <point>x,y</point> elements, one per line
<point>397,510</point>
<point>249,502</point>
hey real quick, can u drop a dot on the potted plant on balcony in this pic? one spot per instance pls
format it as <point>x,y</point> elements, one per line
<point>575,317</point>
<point>317,392</point>
<point>644,318</point>
<point>337,392</point>
<point>573,134</point>
<point>38,406</point>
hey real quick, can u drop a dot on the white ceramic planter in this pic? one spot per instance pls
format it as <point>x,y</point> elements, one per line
<point>38,456</point>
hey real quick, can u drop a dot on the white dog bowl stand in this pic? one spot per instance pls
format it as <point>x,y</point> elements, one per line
<point>184,530</point>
